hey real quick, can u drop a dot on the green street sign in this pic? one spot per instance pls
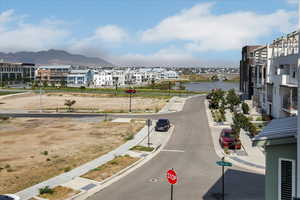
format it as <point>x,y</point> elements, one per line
<point>223,163</point>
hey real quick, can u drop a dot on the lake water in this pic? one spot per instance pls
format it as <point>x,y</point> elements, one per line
<point>208,86</point>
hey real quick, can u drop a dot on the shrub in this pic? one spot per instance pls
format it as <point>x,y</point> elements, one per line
<point>245,108</point>
<point>259,119</point>
<point>69,103</point>
<point>46,190</point>
<point>45,153</point>
<point>252,130</point>
<point>250,118</point>
<point>129,137</point>
<point>67,169</point>
<point>232,99</point>
<point>4,118</point>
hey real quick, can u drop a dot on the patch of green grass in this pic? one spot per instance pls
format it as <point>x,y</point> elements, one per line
<point>2,93</point>
<point>129,137</point>
<point>142,148</point>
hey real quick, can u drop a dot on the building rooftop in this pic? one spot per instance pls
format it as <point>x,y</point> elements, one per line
<point>278,129</point>
<point>55,67</point>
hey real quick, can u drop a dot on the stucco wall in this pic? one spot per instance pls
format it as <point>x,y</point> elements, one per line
<point>273,153</point>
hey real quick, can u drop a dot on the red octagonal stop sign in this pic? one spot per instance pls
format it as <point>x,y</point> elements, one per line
<point>171,176</point>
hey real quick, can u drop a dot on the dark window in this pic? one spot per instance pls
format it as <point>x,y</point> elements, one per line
<point>286,183</point>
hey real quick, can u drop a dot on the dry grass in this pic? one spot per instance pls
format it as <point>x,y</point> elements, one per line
<point>33,150</point>
<point>84,103</point>
<point>110,168</point>
<point>60,193</point>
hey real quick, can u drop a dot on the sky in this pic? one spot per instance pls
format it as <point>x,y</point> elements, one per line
<point>146,32</point>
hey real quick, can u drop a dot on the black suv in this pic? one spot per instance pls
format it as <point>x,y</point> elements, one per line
<point>162,125</point>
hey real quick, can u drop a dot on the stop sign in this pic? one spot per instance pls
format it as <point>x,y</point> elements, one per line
<point>171,176</point>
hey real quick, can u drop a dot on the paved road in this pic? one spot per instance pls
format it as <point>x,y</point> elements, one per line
<point>199,177</point>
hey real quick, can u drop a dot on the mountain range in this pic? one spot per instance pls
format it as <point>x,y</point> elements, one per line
<point>53,56</point>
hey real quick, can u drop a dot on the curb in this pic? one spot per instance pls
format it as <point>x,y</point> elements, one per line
<point>126,171</point>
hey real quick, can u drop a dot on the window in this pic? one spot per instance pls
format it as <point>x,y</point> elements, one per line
<point>286,179</point>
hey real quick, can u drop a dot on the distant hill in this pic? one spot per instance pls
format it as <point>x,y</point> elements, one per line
<point>52,57</point>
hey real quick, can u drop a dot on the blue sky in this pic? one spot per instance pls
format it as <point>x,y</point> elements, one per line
<point>143,32</point>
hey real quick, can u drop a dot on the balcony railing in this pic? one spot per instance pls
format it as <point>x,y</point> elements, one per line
<point>288,80</point>
<point>289,104</point>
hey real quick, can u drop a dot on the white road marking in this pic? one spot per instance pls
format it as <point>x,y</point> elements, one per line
<point>172,150</point>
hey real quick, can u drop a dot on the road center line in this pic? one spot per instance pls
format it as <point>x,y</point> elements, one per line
<point>173,150</point>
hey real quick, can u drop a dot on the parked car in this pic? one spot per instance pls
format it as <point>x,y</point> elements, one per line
<point>9,197</point>
<point>162,125</point>
<point>228,140</point>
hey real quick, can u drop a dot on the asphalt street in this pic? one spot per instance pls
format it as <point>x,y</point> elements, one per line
<point>198,175</point>
<point>195,163</point>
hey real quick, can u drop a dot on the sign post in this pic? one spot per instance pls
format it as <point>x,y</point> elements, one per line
<point>172,179</point>
<point>130,92</point>
<point>223,164</point>
<point>149,123</point>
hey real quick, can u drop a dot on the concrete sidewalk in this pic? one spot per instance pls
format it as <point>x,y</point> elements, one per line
<point>68,176</point>
<point>248,157</point>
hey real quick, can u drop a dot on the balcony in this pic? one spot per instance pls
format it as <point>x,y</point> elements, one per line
<point>288,80</point>
<point>289,104</point>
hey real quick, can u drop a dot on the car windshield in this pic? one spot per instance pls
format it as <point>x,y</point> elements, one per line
<point>162,121</point>
<point>228,135</point>
<point>4,197</point>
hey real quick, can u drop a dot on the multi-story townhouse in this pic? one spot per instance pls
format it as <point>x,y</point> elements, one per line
<point>53,73</point>
<point>77,78</point>
<point>246,71</point>
<point>280,138</point>
<point>259,77</point>
<point>103,78</point>
<point>16,72</point>
<point>275,76</point>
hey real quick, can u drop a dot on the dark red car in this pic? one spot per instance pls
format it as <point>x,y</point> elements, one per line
<point>228,140</point>
<point>131,91</point>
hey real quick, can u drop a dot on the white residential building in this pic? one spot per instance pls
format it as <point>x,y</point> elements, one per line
<point>102,78</point>
<point>77,78</point>
<point>275,74</point>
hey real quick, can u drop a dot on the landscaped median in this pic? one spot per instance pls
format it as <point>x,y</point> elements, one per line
<point>238,124</point>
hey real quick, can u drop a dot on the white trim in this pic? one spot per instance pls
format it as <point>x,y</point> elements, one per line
<point>293,177</point>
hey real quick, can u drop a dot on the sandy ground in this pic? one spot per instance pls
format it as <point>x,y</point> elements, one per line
<point>33,150</point>
<point>86,102</point>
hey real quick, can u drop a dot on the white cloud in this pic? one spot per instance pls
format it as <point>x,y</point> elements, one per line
<point>204,31</point>
<point>110,33</point>
<point>16,35</point>
<point>167,57</point>
<point>108,36</point>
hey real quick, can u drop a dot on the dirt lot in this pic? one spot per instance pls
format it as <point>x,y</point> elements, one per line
<point>84,102</point>
<point>33,150</point>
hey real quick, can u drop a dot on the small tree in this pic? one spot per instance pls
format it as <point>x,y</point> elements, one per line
<point>69,103</point>
<point>216,96</point>
<point>45,83</point>
<point>245,108</point>
<point>63,83</point>
<point>232,99</point>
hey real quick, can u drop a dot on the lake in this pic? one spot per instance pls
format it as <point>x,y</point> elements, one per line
<point>208,86</point>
